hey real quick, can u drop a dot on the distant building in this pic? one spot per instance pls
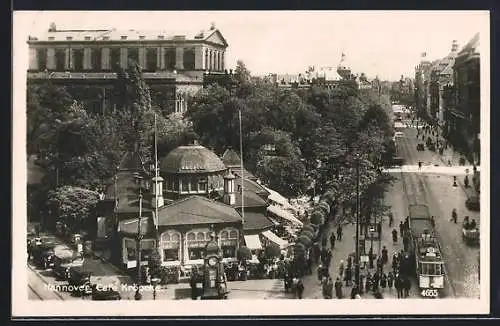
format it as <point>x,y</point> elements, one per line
<point>174,66</point>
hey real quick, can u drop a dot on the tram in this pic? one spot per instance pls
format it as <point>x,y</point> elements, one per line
<point>426,251</point>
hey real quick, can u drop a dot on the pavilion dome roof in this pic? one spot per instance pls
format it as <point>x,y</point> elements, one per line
<point>192,158</point>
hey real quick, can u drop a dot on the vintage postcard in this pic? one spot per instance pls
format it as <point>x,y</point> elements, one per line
<point>272,163</point>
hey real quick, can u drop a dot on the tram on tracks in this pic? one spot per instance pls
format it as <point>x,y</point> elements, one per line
<point>426,251</point>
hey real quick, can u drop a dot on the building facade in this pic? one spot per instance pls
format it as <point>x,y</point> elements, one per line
<point>174,66</point>
<point>465,116</point>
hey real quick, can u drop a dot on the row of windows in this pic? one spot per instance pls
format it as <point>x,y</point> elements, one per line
<point>76,59</point>
<point>194,184</point>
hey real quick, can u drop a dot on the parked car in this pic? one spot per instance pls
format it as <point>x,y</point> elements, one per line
<point>79,279</point>
<point>63,265</point>
<point>420,147</point>
<point>104,294</point>
<point>472,203</point>
<point>43,254</point>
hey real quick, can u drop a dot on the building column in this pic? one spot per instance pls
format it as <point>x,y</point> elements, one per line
<point>205,59</point>
<point>33,59</point>
<point>124,58</point>
<point>142,57</point>
<point>209,65</point>
<point>179,58</point>
<point>87,62</point>
<point>105,59</point>
<point>68,65</point>
<point>51,59</point>
<point>198,58</point>
<point>161,58</point>
<point>222,61</point>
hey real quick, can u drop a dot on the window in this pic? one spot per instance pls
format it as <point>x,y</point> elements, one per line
<point>147,247</point>
<point>78,59</point>
<point>431,268</point>
<point>171,244</point>
<point>175,183</point>
<point>130,247</point>
<point>96,59</point>
<point>169,58</point>
<point>114,58</point>
<point>133,54</point>
<point>151,59</point>
<point>60,58</point>
<point>202,184</point>
<point>189,59</point>
<point>193,185</point>
<point>180,103</point>
<point>228,241</point>
<point>196,243</point>
<point>42,58</point>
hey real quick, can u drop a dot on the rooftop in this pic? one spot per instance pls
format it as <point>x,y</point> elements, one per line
<point>256,221</point>
<point>111,34</point>
<point>197,210</point>
<point>191,159</point>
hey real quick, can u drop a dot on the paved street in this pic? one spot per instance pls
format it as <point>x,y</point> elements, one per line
<point>437,192</point>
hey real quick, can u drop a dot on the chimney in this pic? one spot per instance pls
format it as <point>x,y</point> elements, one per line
<point>157,186</point>
<point>454,46</point>
<point>229,194</point>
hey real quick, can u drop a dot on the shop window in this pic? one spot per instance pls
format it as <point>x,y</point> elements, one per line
<point>228,241</point>
<point>203,184</point>
<point>171,244</point>
<point>196,243</point>
<point>193,185</point>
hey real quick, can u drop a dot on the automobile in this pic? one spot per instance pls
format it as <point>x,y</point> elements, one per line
<point>420,147</point>
<point>398,161</point>
<point>43,254</point>
<point>470,235</point>
<point>472,203</point>
<point>105,293</point>
<point>62,266</point>
<point>79,280</point>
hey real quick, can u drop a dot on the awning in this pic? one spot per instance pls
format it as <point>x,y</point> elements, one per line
<point>277,198</point>
<point>277,240</point>
<point>278,211</point>
<point>253,242</point>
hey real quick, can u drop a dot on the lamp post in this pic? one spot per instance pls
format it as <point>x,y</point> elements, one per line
<point>138,295</point>
<point>356,272</point>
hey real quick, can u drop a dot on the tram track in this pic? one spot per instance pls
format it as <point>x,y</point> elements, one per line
<point>415,192</point>
<point>39,277</point>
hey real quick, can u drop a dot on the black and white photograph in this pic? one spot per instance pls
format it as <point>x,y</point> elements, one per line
<point>274,162</point>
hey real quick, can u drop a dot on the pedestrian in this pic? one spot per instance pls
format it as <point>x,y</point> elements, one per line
<point>391,219</point>
<point>329,289</point>
<point>395,262</point>
<point>368,282</point>
<point>406,286</point>
<point>390,280</point>
<point>332,241</point>
<point>320,272</point>
<point>379,229</point>
<point>323,241</point>
<point>383,281</point>
<point>341,268</point>
<point>328,258</point>
<point>406,240</point>
<point>375,282</point>
<point>385,256</point>
<point>300,289</point>
<point>399,286</point>
<point>348,276</point>
<point>394,236</point>
<point>339,232</point>
<point>193,283</point>
<point>361,283</point>
<point>354,291</point>
<point>370,258</point>
<point>401,228</point>
<point>379,264</point>
<point>338,288</point>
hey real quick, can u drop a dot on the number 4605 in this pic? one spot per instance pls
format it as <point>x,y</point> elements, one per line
<point>429,293</point>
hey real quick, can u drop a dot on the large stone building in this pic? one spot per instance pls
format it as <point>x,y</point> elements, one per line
<point>422,87</point>
<point>465,115</point>
<point>174,66</point>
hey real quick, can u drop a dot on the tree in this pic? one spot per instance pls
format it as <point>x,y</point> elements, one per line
<point>73,205</point>
<point>244,253</point>
<point>317,218</point>
<point>242,78</point>
<point>272,251</point>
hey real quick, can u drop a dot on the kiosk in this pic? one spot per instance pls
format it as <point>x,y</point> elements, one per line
<point>214,278</point>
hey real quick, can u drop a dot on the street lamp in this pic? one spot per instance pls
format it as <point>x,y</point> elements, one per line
<point>138,295</point>
<point>356,272</point>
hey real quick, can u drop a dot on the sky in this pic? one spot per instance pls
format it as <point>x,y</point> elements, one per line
<point>386,44</point>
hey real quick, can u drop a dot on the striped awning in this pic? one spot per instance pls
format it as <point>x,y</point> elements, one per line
<point>277,240</point>
<point>284,214</point>
<point>252,242</point>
